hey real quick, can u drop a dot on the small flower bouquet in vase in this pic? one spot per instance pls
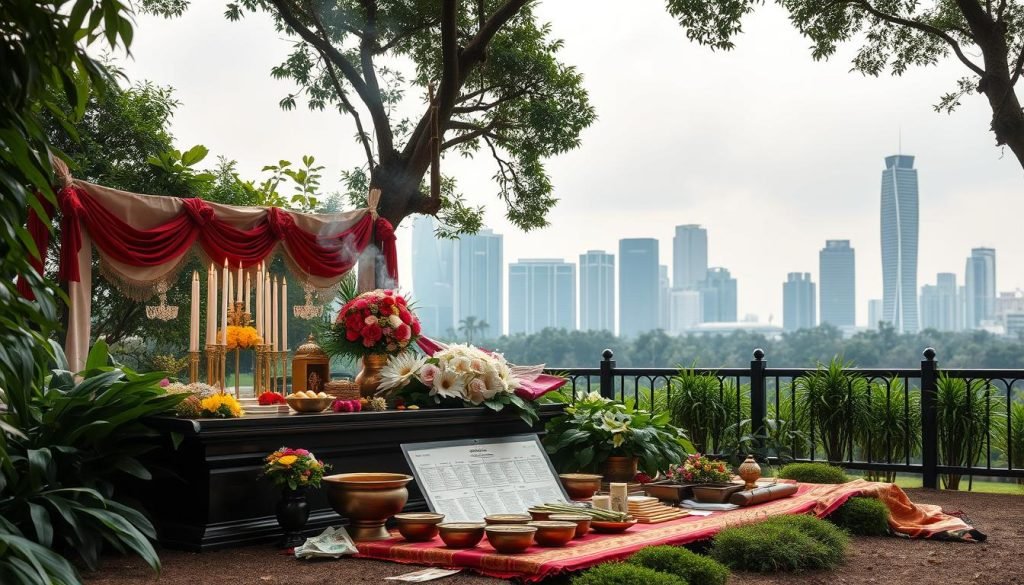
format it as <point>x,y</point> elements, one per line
<point>464,375</point>
<point>294,470</point>
<point>372,326</point>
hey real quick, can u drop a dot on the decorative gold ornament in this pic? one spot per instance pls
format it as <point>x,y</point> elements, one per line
<point>309,310</point>
<point>162,311</point>
<point>749,471</point>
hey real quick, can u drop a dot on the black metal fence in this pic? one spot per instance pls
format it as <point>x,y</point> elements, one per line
<point>951,422</point>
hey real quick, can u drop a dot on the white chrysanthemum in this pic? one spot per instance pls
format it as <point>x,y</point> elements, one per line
<point>449,385</point>
<point>461,365</point>
<point>399,370</point>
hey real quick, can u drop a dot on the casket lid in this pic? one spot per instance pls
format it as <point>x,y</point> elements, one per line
<point>310,349</point>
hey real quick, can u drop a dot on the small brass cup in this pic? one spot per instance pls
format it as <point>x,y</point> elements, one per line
<point>510,538</point>
<point>461,534</point>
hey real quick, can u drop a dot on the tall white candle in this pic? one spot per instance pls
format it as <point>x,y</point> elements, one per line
<point>274,309</point>
<point>211,306</point>
<point>238,283</point>
<point>193,326</point>
<point>267,300</point>
<point>259,300</point>
<point>226,293</point>
<point>247,293</point>
<point>284,314</point>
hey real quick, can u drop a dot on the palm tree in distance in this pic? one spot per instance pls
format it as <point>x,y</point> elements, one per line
<point>482,327</point>
<point>467,327</point>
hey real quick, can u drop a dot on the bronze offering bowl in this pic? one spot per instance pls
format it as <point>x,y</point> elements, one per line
<point>581,486</point>
<point>308,404</point>
<point>507,519</point>
<point>582,522</point>
<point>554,533</point>
<point>539,514</point>
<point>510,538</point>
<point>609,527</point>
<point>418,526</point>
<point>367,500</point>
<point>461,534</point>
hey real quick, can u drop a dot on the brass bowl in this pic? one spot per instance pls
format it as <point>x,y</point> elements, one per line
<point>510,538</point>
<point>308,404</point>
<point>539,514</point>
<point>582,522</point>
<point>554,533</point>
<point>507,519</point>
<point>606,527</point>
<point>461,534</point>
<point>581,486</point>
<point>418,526</point>
<point>367,500</point>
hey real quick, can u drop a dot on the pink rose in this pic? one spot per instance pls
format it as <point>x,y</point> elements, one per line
<point>403,332</point>
<point>428,374</point>
<point>165,383</point>
<point>476,391</point>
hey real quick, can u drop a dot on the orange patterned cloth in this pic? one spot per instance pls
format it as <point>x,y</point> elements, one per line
<point>913,520</point>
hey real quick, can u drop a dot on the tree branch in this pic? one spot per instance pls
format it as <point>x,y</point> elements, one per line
<point>363,138</point>
<point>474,51</point>
<point>385,147</point>
<point>405,34</point>
<point>484,106</point>
<point>926,28</point>
<point>449,88</point>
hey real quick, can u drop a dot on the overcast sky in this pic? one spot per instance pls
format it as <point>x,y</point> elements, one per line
<point>772,152</point>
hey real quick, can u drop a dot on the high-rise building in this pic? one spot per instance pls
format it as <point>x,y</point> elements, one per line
<point>689,256</point>
<point>541,293</point>
<point>664,288</point>
<point>899,243</point>
<point>432,272</point>
<point>837,290</point>
<point>1009,312</point>
<point>597,291</point>
<point>686,310</point>
<point>798,302</point>
<point>980,287</point>
<point>939,304</point>
<point>874,313</point>
<point>718,296</point>
<point>478,281</point>
<point>638,286</point>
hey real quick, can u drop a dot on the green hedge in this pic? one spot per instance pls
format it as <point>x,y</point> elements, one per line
<point>814,473</point>
<point>694,568</point>
<point>625,574</point>
<point>785,543</point>
<point>863,517</point>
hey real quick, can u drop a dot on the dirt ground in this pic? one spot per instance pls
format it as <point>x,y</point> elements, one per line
<point>891,561</point>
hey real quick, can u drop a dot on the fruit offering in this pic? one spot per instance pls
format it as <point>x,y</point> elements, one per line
<point>347,406</point>
<point>309,395</point>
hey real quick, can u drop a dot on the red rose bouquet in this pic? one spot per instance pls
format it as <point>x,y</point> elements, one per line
<point>378,321</point>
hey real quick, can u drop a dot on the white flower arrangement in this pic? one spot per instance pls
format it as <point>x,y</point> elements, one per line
<point>459,371</point>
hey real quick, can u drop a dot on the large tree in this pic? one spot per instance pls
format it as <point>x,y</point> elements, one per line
<point>986,37</point>
<point>499,89</point>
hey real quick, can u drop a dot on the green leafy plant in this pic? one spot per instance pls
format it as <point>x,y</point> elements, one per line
<point>625,574</point>
<point>888,428</point>
<point>703,405</point>
<point>832,398</point>
<point>813,473</point>
<point>862,516</point>
<point>1011,440</point>
<point>595,428</point>
<point>678,561</point>
<point>966,415</point>
<point>783,543</point>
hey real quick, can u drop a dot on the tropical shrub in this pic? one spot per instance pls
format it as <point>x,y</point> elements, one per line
<point>625,574</point>
<point>676,560</point>
<point>595,428</point>
<point>813,473</point>
<point>1011,439</point>
<point>832,399</point>
<point>698,406</point>
<point>967,412</point>
<point>862,516</point>
<point>888,426</point>
<point>784,543</point>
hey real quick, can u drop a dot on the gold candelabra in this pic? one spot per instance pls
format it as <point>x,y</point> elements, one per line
<point>238,317</point>
<point>193,367</point>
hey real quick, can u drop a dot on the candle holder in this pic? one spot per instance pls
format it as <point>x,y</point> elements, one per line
<point>284,369</point>
<point>214,372</point>
<point>238,317</point>
<point>193,367</point>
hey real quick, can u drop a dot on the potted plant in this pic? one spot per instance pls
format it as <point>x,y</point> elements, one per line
<point>294,470</point>
<point>709,479</point>
<point>600,435</point>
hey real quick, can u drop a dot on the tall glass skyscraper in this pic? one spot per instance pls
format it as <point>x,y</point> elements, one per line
<point>638,286</point>
<point>664,290</point>
<point>689,256</point>
<point>940,303</point>
<point>899,243</point>
<point>718,296</point>
<point>432,271</point>
<point>798,302</point>
<point>980,287</point>
<point>837,298</point>
<point>541,293</point>
<point>597,291</point>
<point>478,278</point>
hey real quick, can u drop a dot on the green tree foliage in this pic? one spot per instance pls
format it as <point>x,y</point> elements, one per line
<point>500,90</point>
<point>987,38</point>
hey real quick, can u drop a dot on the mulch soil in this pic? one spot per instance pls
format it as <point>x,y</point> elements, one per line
<point>887,560</point>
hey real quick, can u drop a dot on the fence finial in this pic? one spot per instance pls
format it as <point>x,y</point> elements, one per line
<point>759,354</point>
<point>607,354</point>
<point>929,354</point>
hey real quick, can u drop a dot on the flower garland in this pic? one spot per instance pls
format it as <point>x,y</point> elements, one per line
<point>294,467</point>
<point>191,406</point>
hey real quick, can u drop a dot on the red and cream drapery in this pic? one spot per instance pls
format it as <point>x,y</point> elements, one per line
<point>142,241</point>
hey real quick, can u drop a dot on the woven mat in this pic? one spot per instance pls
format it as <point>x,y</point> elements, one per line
<point>538,563</point>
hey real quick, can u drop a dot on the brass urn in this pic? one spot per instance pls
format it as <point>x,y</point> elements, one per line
<point>368,377</point>
<point>749,471</point>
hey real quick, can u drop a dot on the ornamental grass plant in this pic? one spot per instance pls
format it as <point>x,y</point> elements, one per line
<point>704,406</point>
<point>813,473</point>
<point>784,543</point>
<point>888,428</point>
<point>681,562</point>
<point>969,416</point>
<point>862,517</point>
<point>832,399</point>
<point>626,574</point>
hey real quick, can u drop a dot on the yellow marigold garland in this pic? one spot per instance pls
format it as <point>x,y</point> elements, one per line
<point>221,406</point>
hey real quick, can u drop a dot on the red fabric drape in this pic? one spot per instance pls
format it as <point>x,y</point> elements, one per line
<point>324,255</point>
<point>39,231</point>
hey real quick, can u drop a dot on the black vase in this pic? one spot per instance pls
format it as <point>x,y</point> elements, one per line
<point>292,514</point>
